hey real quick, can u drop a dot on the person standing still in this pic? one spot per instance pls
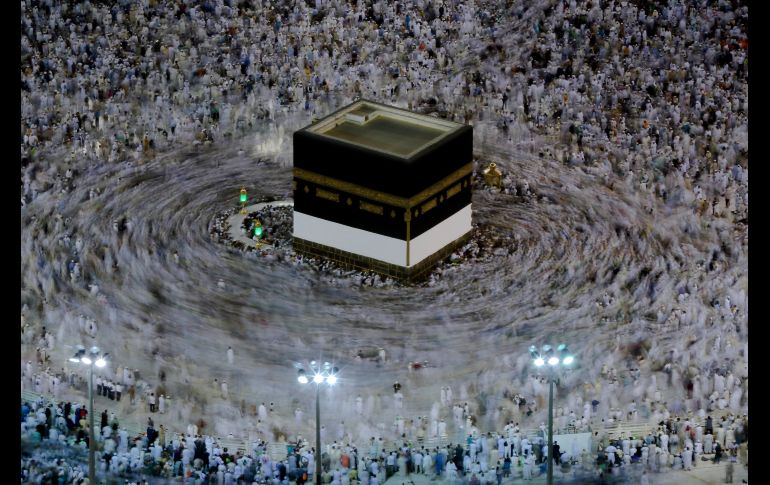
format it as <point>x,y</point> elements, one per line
<point>729,470</point>
<point>645,479</point>
<point>717,453</point>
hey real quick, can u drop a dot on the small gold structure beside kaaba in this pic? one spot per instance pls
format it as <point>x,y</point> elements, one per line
<point>493,176</point>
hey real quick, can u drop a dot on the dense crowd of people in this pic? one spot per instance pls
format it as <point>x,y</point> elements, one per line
<point>649,94</point>
<point>655,92</point>
<point>58,433</point>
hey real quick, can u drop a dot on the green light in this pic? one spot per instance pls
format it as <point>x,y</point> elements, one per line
<point>244,198</point>
<point>258,231</point>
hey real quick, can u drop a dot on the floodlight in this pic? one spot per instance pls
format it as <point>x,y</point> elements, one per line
<point>100,362</point>
<point>302,377</point>
<point>568,360</point>
<point>86,360</point>
<point>539,362</point>
<point>331,380</point>
<point>553,361</point>
<point>318,378</point>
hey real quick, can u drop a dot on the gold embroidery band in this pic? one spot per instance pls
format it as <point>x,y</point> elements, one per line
<point>324,194</point>
<point>454,190</point>
<point>374,209</point>
<point>428,206</point>
<point>442,184</point>
<point>382,197</point>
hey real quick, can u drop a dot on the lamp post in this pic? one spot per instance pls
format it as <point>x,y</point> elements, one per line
<point>94,357</point>
<point>258,231</point>
<point>243,198</point>
<point>541,358</point>
<point>321,374</point>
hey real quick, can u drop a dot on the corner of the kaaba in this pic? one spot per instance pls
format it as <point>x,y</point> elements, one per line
<point>441,158</point>
<point>413,275</point>
<point>422,270</point>
<point>344,161</point>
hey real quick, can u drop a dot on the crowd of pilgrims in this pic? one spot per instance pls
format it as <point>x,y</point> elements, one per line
<point>54,432</point>
<point>654,93</point>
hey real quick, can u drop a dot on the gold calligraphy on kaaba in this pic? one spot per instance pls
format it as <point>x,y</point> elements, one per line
<point>325,194</point>
<point>378,196</point>
<point>428,206</point>
<point>373,208</point>
<point>454,190</point>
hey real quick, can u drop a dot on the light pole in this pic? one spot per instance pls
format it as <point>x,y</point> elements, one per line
<point>243,197</point>
<point>321,374</point>
<point>258,231</point>
<point>548,356</point>
<point>94,357</point>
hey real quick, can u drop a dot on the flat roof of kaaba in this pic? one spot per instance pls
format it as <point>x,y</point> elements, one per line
<point>394,131</point>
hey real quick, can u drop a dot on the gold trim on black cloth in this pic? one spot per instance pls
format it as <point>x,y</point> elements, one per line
<point>379,218</point>
<point>455,189</point>
<point>373,208</point>
<point>428,206</point>
<point>325,194</point>
<point>383,197</point>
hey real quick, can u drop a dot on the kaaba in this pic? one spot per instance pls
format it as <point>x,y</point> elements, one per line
<point>382,188</point>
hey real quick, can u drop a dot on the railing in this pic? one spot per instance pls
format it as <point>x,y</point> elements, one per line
<point>641,429</point>
<point>133,428</point>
